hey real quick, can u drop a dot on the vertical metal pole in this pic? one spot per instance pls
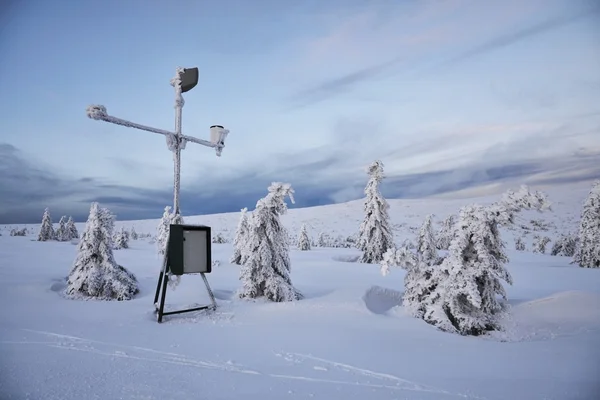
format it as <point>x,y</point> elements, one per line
<point>177,153</point>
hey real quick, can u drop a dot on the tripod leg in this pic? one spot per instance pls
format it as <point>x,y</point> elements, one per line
<point>210,293</point>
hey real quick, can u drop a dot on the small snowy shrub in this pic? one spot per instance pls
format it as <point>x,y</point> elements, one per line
<point>323,240</point>
<point>539,244</point>
<point>219,239</point>
<point>519,244</point>
<point>133,234</point>
<point>121,239</point>
<point>565,245</point>
<point>18,232</point>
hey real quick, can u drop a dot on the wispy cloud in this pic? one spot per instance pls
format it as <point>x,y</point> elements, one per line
<point>517,36</point>
<point>383,42</point>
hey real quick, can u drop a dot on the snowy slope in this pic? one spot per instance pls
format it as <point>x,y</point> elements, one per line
<point>347,340</point>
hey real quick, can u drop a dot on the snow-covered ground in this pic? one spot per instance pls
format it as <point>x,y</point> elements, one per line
<point>346,340</point>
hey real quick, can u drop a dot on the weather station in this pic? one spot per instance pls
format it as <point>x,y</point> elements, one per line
<point>180,258</point>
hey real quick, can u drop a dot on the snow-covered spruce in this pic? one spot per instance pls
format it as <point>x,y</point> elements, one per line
<point>418,282</point>
<point>469,278</point>
<point>303,239</point>
<point>446,233</point>
<point>519,244</point>
<point>72,229</point>
<point>587,253</point>
<point>133,234</point>
<point>322,240</point>
<point>241,237</point>
<point>219,238</point>
<point>46,229</point>
<point>62,235</point>
<point>162,234</point>
<point>266,271</point>
<point>162,237</point>
<point>539,244</point>
<point>426,245</point>
<point>18,232</point>
<point>565,245</point>
<point>95,273</point>
<point>121,239</point>
<point>375,233</point>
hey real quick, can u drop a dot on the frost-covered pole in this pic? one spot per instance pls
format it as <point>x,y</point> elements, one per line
<point>177,143</point>
<point>185,79</point>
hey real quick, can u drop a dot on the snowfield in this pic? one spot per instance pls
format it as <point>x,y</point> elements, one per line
<point>348,339</point>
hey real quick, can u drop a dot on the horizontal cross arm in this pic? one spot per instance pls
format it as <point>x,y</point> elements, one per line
<point>98,112</point>
<point>198,141</point>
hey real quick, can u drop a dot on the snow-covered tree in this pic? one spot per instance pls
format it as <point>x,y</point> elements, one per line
<point>539,244</point>
<point>62,235</point>
<point>469,278</point>
<point>519,244</point>
<point>587,254</point>
<point>322,240</point>
<point>426,246</point>
<point>241,237</point>
<point>133,234</point>
<point>375,233</point>
<point>72,229</point>
<point>303,239</point>
<point>565,245</point>
<point>446,233</point>
<point>162,234</point>
<point>95,272</point>
<point>219,239</point>
<point>266,271</point>
<point>121,239</point>
<point>18,232</point>
<point>47,229</point>
<point>419,266</point>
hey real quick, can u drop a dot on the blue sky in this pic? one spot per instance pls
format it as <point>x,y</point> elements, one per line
<point>450,95</point>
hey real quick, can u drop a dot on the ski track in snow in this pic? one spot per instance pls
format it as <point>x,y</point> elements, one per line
<point>400,383</point>
<point>387,381</point>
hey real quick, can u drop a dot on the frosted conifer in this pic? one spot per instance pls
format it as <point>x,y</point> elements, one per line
<point>241,237</point>
<point>519,244</point>
<point>266,271</point>
<point>469,278</point>
<point>72,229</point>
<point>95,272</point>
<point>133,234</point>
<point>426,246</point>
<point>539,244</point>
<point>303,239</point>
<point>446,233</point>
<point>62,235</point>
<point>322,240</point>
<point>375,233</point>
<point>47,229</point>
<point>565,245</point>
<point>162,235</point>
<point>587,253</point>
<point>121,239</point>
